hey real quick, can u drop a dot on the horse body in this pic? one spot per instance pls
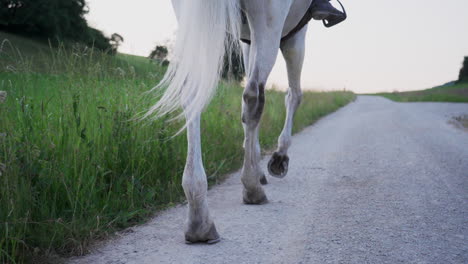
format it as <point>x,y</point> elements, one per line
<point>193,75</point>
<point>296,11</point>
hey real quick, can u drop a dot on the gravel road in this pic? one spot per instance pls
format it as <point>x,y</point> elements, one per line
<point>375,182</point>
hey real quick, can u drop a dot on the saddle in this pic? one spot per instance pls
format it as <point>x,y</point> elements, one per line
<point>328,22</point>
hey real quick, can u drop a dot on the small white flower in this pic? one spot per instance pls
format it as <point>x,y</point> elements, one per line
<point>120,71</point>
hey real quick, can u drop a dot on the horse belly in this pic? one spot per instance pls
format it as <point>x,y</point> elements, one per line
<point>296,13</point>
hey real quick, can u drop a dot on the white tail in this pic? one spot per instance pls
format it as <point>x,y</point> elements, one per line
<point>202,42</point>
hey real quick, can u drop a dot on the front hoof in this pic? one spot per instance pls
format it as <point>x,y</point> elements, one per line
<point>256,197</point>
<point>263,179</point>
<point>278,165</point>
<point>196,234</point>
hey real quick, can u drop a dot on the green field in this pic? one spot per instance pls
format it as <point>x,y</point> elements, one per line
<point>75,166</point>
<point>448,93</point>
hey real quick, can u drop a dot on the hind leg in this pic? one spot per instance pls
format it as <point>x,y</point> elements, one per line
<point>246,57</point>
<point>200,227</point>
<point>265,41</point>
<point>293,51</point>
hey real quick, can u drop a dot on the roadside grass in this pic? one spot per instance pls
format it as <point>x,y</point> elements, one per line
<point>453,93</point>
<point>460,122</point>
<point>75,167</point>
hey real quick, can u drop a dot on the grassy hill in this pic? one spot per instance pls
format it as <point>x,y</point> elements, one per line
<point>28,46</point>
<point>21,54</point>
<point>457,92</point>
<point>75,167</point>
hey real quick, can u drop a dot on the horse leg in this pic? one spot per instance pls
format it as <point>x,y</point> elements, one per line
<point>293,50</point>
<point>265,41</point>
<point>246,53</point>
<point>200,227</point>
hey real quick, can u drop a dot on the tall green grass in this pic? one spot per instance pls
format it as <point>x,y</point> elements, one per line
<point>73,164</point>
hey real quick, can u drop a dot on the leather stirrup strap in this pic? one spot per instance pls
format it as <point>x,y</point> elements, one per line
<point>335,20</point>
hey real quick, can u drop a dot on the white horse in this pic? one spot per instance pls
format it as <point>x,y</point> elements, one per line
<point>209,29</point>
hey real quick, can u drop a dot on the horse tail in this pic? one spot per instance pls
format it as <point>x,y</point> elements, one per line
<point>208,29</point>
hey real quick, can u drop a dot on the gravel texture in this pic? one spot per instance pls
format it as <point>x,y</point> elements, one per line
<point>375,182</point>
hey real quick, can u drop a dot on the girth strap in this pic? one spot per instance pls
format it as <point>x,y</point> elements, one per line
<point>305,19</point>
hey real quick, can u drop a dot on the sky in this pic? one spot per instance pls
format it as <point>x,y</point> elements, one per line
<point>384,45</point>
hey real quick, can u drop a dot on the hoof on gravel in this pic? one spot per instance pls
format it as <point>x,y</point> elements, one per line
<point>263,180</point>
<point>209,242</point>
<point>257,197</point>
<point>278,165</point>
<point>196,235</point>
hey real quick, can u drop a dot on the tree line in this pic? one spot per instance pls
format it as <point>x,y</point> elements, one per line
<point>463,76</point>
<point>61,20</point>
<point>233,68</point>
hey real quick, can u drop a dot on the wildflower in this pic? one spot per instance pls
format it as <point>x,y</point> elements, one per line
<point>120,71</point>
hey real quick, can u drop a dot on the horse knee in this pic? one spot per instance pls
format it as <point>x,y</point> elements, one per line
<point>254,102</point>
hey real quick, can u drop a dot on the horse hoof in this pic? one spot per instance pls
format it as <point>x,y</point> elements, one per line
<point>260,201</point>
<point>258,198</point>
<point>209,242</point>
<point>213,241</point>
<point>263,180</point>
<point>209,237</point>
<point>278,165</point>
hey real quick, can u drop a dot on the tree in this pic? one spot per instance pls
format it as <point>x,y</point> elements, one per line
<point>159,54</point>
<point>463,76</point>
<point>50,19</point>
<point>96,39</point>
<point>233,67</point>
<point>115,41</point>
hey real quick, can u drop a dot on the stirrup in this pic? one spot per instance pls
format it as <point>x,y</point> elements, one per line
<point>330,22</point>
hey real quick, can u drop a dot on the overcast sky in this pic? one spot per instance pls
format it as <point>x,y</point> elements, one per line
<point>384,45</point>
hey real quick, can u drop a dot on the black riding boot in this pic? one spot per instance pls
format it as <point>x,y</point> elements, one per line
<point>323,10</point>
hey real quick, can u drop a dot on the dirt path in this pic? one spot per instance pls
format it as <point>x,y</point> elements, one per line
<point>375,182</point>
